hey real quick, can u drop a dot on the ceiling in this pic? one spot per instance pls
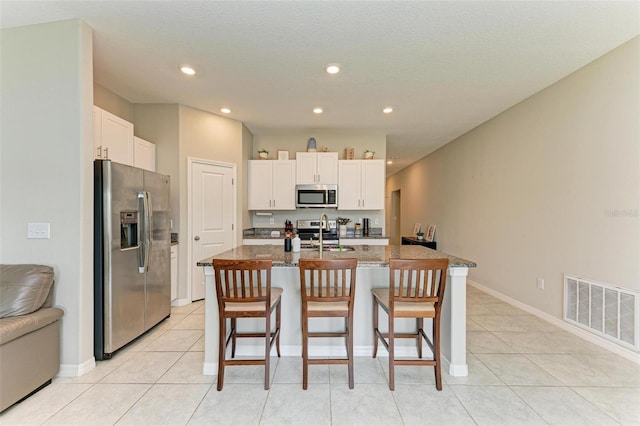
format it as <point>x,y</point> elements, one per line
<point>444,66</point>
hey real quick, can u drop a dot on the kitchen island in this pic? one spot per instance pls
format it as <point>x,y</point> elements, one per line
<point>373,271</point>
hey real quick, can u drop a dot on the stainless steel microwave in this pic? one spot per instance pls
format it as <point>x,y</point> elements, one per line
<point>317,196</point>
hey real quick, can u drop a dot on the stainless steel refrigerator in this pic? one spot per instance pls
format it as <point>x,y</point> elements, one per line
<point>132,239</point>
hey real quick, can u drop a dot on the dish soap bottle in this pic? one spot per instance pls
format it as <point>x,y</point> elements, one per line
<point>296,243</point>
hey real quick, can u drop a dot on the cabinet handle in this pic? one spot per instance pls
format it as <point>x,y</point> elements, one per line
<point>274,203</point>
<point>100,151</point>
<point>106,152</point>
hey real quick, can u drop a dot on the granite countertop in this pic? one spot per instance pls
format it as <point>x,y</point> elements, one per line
<point>368,256</point>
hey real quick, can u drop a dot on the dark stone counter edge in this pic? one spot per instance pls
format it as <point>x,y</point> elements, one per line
<point>281,237</point>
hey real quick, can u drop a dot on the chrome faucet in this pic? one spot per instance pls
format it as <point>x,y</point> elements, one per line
<point>322,227</point>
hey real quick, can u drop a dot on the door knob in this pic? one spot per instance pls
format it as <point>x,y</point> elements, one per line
<point>197,238</point>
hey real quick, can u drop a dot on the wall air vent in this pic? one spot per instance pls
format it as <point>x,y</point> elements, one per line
<point>603,309</point>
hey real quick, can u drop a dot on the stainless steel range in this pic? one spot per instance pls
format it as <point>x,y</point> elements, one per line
<point>309,230</point>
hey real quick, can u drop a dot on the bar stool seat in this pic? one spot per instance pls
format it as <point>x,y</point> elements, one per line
<point>405,309</point>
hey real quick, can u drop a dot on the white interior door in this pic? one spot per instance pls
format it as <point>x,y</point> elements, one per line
<point>213,212</point>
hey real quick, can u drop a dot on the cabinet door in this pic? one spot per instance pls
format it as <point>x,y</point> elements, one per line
<point>349,185</point>
<point>327,168</point>
<point>117,139</point>
<point>372,184</point>
<point>284,184</point>
<point>260,184</point>
<point>306,167</point>
<point>144,154</point>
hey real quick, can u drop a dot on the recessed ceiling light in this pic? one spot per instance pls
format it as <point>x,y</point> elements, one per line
<point>387,110</point>
<point>317,110</point>
<point>225,110</point>
<point>332,69</point>
<point>389,162</point>
<point>187,70</point>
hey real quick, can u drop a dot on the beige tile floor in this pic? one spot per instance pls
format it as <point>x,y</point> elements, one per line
<point>522,371</point>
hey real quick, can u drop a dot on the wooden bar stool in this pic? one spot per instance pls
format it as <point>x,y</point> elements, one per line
<point>416,290</point>
<point>244,291</point>
<point>328,288</point>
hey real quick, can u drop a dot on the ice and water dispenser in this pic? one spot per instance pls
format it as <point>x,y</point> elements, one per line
<point>129,229</point>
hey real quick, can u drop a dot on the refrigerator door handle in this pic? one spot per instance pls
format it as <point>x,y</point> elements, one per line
<point>149,223</point>
<point>143,253</point>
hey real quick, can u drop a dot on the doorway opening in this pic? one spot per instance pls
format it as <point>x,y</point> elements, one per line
<point>396,214</point>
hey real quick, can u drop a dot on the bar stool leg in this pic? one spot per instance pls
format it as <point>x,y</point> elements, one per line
<point>420,325</point>
<point>391,354</point>
<point>375,327</point>
<point>350,351</point>
<point>278,328</point>
<point>221,351</point>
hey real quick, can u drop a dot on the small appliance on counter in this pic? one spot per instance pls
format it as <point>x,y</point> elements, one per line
<point>365,226</point>
<point>310,230</point>
<point>288,228</point>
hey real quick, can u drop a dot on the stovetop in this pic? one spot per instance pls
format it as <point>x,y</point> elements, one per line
<point>310,230</point>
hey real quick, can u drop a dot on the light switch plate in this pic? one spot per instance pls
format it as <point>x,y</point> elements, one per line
<point>38,230</point>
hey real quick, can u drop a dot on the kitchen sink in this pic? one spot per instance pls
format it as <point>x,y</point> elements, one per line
<point>328,248</point>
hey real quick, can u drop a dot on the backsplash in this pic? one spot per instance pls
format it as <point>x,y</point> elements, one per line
<point>278,217</point>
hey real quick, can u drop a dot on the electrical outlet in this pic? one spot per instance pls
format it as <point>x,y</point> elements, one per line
<point>38,230</point>
<point>271,221</point>
<point>541,283</point>
<point>376,221</point>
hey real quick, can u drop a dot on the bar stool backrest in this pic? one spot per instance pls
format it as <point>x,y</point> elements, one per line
<point>417,280</point>
<point>327,280</point>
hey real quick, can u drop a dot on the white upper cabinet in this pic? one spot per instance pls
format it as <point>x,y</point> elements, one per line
<point>317,167</point>
<point>361,185</point>
<point>272,184</point>
<point>113,137</point>
<point>144,154</point>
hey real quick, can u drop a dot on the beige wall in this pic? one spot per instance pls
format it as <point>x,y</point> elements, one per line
<point>46,172</point>
<point>159,124</point>
<point>548,187</point>
<point>109,101</point>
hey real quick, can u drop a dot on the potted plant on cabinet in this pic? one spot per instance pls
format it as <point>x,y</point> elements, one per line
<point>420,236</point>
<point>263,154</point>
<point>368,155</point>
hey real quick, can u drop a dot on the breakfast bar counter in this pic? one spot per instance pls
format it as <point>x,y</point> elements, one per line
<point>373,271</point>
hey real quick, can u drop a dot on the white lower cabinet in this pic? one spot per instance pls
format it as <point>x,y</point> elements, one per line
<point>174,272</point>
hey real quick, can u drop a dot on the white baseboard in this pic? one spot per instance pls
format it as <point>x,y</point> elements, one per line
<point>76,370</point>
<point>604,343</point>
<point>180,302</point>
